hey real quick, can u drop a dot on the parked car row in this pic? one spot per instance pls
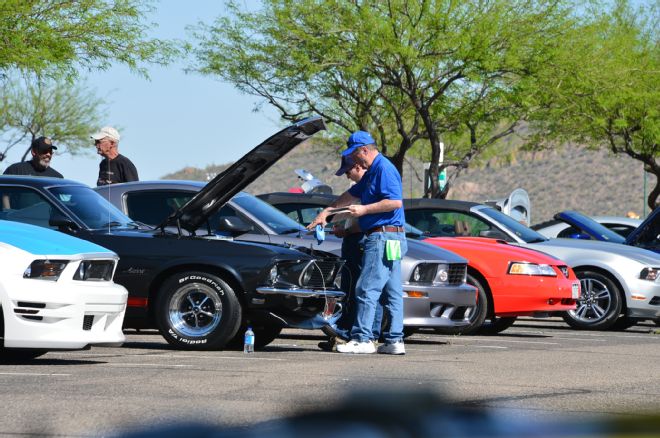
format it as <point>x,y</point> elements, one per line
<point>200,262</point>
<point>510,281</point>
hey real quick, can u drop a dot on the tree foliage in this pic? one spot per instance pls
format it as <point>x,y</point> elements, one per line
<point>32,106</point>
<point>409,72</point>
<point>60,36</point>
<point>606,93</point>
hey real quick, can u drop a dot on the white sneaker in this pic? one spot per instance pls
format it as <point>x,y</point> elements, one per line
<point>395,348</point>
<point>357,347</point>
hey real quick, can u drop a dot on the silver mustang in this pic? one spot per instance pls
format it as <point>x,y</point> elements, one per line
<point>620,283</point>
<point>440,302</point>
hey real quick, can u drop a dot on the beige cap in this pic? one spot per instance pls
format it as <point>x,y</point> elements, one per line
<point>106,131</point>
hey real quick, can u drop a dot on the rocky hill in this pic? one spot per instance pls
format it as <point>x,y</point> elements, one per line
<point>592,182</point>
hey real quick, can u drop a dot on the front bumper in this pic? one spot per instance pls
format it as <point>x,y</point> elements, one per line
<point>643,300</point>
<point>301,293</point>
<point>437,305</point>
<point>63,315</point>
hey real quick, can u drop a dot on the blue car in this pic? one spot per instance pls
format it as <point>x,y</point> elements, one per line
<point>646,235</point>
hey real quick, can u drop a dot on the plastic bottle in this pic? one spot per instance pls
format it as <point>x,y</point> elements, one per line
<point>248,345</point>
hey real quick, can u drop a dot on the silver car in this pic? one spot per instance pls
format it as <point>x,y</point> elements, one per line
<point>439,303</point>
<point>620,284</point>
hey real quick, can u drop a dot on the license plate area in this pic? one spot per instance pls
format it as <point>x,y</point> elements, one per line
<point>575,291</point>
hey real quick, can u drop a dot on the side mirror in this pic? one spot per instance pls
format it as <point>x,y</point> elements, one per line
<point>233,225</point>
<point>63,223</point>
<point>493,234</point>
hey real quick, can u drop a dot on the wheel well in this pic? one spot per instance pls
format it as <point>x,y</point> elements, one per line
<point>224,274</point>
<point>476,274</point>
<point>612,278</point>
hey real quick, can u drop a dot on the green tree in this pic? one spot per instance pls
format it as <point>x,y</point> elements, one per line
<point>61,36</point>
<point>32,106</point>
<point>409,72</point>
<point>607,91</point>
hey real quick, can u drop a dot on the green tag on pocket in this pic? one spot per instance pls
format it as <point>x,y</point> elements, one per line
<point>393,250</point>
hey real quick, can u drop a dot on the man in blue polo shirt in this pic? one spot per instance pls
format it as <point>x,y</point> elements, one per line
<point>381,218</point>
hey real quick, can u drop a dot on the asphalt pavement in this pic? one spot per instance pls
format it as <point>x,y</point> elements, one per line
<point>536,369</point>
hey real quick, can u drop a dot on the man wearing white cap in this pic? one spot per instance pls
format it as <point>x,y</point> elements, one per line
<point>114,168</point>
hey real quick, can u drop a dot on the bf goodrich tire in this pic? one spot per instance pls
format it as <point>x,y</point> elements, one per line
<point>599,305</point>
<point>474,316</point>
<point>197,311</point>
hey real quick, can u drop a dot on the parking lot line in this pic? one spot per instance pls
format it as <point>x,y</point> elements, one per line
<point>36,374</point>
<point>509,340</point>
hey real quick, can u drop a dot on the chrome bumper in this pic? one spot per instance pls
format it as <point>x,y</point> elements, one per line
<point>302,293</point>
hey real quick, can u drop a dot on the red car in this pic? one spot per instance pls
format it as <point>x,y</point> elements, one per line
<point>511,282</point>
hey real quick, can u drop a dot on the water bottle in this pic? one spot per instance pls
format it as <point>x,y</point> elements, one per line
<point>248,345</point>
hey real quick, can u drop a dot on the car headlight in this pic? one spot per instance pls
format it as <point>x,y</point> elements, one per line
<point>425,272</point>
<point>523,268</point>
<point>94,270</point>
<point>442,275</point>
<point>45,269</point>
<point>650,274</point>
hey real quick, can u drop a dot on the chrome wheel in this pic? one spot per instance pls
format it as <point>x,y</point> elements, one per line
<point>195,310</point>
<point>595,302</point>
<point>599,305</point>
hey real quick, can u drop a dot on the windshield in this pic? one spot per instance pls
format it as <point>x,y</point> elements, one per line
<point>91,208</point>
<point>279,222</point>
<point>591,227</point>
<point>513,226</point>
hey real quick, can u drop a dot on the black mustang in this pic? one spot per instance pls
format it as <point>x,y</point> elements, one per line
<point>200,291</point>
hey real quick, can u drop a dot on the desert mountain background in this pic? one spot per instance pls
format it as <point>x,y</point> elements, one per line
<point>592,182</point>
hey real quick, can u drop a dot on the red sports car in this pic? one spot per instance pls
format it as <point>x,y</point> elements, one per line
<point>511,282</point>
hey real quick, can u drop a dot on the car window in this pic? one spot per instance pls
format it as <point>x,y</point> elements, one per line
<point>621,229</point>
<point>152,207</point>
<point>267,214</point>
<point>26,205</point>
<point>439,223</point>
<point>570,232</point>
<point>302,213</point>
<point>90,207</point>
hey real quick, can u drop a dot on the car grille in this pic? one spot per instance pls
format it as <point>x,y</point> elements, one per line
<point>322,274</point>
<point>564,270</point>
<point>655,301</point>
<point>457,273</point>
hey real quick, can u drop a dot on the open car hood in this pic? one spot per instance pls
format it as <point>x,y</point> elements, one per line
<point>589,226</point>
<point>647,235</point>
<point>226,184</point>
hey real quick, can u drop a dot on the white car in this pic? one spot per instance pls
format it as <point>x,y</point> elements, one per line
<point>56,292</point>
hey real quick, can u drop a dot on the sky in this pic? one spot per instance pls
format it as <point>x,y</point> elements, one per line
<point>174,119</point>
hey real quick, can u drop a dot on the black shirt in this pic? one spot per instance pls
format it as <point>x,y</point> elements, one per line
<point>118,170</point>
<point>27,168</point>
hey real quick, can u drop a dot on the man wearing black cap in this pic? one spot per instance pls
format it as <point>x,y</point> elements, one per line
<point>39,165</point>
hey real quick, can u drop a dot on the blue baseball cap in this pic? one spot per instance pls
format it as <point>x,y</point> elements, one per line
<point>357,139</point>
